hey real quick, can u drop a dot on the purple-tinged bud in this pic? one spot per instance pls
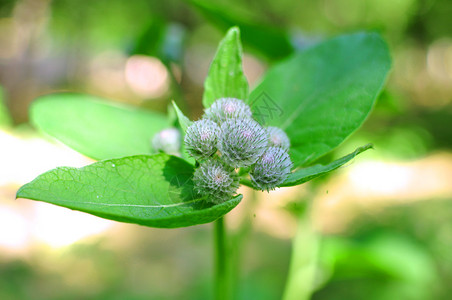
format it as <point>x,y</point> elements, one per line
<point>271,169</point>
<point>201,139</point>
<point>215,180</point>
<point>278,138</point>
<point>227,108</point>
<point>242,142</point>
<point>168,141</point>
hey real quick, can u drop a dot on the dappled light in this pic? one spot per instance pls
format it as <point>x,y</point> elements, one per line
<point>19,164</point>
<point>370,186</point>
<point>147,76</point>
<point>23,226</point>
<point>137,214</point>
<point>72,226</point>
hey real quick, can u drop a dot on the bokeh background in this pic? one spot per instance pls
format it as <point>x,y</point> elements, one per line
<point>385,219</point>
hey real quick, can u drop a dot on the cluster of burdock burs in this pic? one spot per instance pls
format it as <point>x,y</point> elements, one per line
<point>227,139</point>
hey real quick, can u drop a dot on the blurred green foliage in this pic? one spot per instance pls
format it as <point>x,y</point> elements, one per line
<point>399,253</point>
<point>5,119</point>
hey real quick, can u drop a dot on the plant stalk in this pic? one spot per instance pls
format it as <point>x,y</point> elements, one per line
<point>239,240</point>
<point>222,283</point>
<point>303,263</point>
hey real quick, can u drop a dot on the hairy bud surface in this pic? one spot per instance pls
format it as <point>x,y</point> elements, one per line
<point>271,169</point>
<point>227,108</point>
<point>242,142</point>
<point>201,139</point>
<point>215,180</point>
<point>278,138</point>
<point>168,141</point>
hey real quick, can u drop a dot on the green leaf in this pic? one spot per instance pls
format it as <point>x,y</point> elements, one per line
<point>96,128</point>
<point>150,40</point>
<point>323,94</point>
<point>161,39</point>
<point>306,174</point>
<point>184,122</point>
<point>225,77</point>
<point>151,190</point>
<point>301,278</point>
<point>5,119</point>
<point>265,38</point>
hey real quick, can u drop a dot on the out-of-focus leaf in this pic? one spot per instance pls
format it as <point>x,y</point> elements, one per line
<point>161,39</point>
<point>306,174</point>
<point>5,119</point>
<point>372,259</point>
<point>225,77</point>
<point>321,95</point>
<point>303,264</point>
<point>95,128</point>
<point>151,190</point>
<point>269,40</point>
<point>150,40</point>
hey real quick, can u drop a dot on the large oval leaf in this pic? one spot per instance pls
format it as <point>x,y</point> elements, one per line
<point>321,95</point>
<point>151,190</point>
<point>94,127</point>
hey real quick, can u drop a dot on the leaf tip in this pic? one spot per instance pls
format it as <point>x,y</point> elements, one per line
<point>235,30</point>
<point>19,193</point>
<point>366,147</point>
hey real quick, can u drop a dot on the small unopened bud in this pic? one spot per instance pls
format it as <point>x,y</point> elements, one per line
<point>271,169</point>
<point>227,108</point>
<point>242,142</point>
<point>168,141</point>
<point>278,138</point>
<point>215,180</point>
<point>201,139</point>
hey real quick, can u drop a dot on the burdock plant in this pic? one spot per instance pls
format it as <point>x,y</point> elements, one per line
<point>271,169</point>
<point>302,109</point>
<point>216,181</point>
<point>202,138</point>
<point>277,137</point>
<point>228,108</point>
<point>242,142</point>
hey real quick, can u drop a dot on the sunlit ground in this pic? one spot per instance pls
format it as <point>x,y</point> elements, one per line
<point>369,186</point>
<point>24,222</point>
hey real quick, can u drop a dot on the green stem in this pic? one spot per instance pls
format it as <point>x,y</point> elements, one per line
<point>240,239</point>
<point>222,286</point>
<point>303,263</point>
<point>246,182</point>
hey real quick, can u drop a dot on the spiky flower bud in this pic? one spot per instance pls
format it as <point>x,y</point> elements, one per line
<point>168,141</point>
<point>271,169</point>
<point>242,142</point>
<point>215,180</point>
<point>227,108</point>
<point>201,139</point>
<point>278,138</point>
